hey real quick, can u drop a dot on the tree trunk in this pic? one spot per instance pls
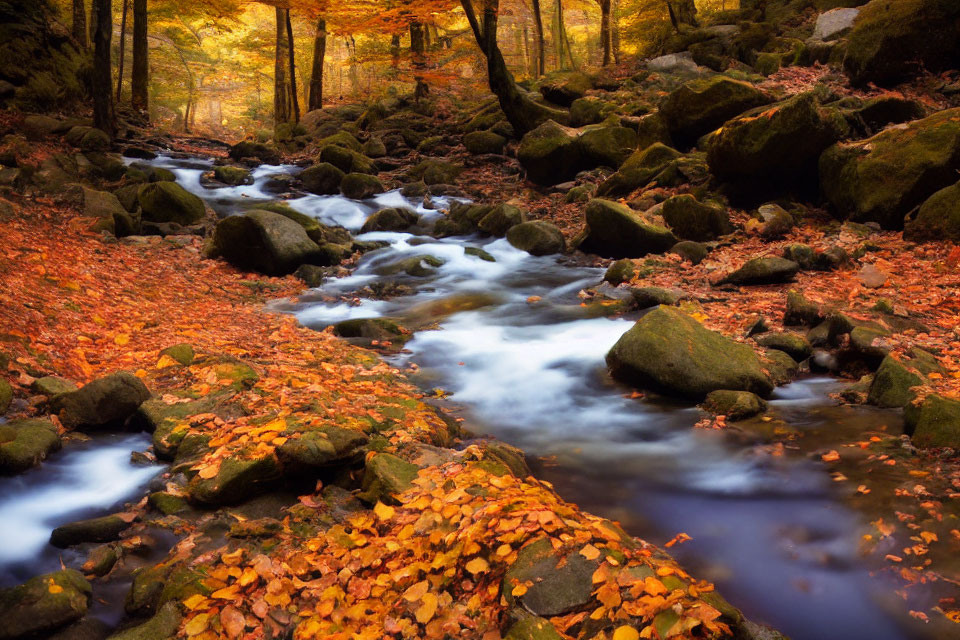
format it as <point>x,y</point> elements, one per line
<point>417,49</point>
<point>523,113</point>
<point>538,28</point>
<point>565,36</point>
<point>682,12</point>
<point>316,74</point>
<point>281,95</point>
<point>605,31</point>
<point>80,23</point>
<point>123,46</point>
<point>291,50</point>
<point>102,70</point>
<point>395,50</point>
<point>140,79</point>
<point>615,30</point>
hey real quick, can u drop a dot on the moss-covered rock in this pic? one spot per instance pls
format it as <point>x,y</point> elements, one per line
<point>793,344</point>
<point>262,152</point>
<point>501,219</point>
<point>781,367</point>
<point>532,628</point>
<point>638,170</point>
<point>104,529</point>
<point>538,238</point>
<point>237,479</point>
<point>103,205</point>
<point>25,443</point>
<point>619,272</point>
<point>104,403</point>
<point>606,145</point>
<point>433,171</point>
<point>182,353</point>
<point>322,179</point>
<point>267,242</point>
<point>102,559</point>
<point>418,266</point>
<point>702,105</point>
<point>347,160</point>
<point>550,153</point>
<point>584,111</point>
<point>892,383</point>
<point>369,328</point>
<point>938,218</point>
<point>322,447</point>
<point>883,178</point>
<point>167,503</point>
<point>892,41</point>
<point>935,422</point>
<point>169,202</point>
<point>869,344</point>
<point>6,396</point>
<point>232,176</point>
<point>669,351</point>
<point>735,405</point>
<point>616,231</point>
<point>801,311</point>
<point>765,270</point>
<point>781,143</point>
<point>374,148</point>
<point>691,219</point>
<point>565,87</point>
<point>481,142</point>
<point>163,626</point>
<point>387,476</point>
<point>692,252</point>
<point>561,579</point>
<point>43,604</point>
<point>646,297</point>
<point>359,186</point>
<point>391,219</point>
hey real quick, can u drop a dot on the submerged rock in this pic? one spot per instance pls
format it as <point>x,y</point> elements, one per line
<point>232,176</point>
<point>616,231</point>
<point>43,604</point>
<point>360,186</point>
<point>104,529</point>
<point>671,352</point>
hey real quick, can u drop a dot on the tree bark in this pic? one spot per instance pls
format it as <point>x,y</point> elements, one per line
<point>80,23</point>
<point>538,28</point>
<point>395,50</point>
<point>316,73</point>
<point>140,80</point>
<point>291,50</point>
<point>615,30</point>
<point>281,95</point>
<point>123,45</point>
<point>605,31</point>
<point>682,12</point>
<point>102,71</point>
<point>417,50</point>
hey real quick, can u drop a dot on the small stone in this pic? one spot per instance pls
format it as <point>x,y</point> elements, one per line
<point>735,405</point>
<point>872,277</point>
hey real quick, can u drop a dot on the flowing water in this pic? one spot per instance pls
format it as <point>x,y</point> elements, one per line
<point>523,361</point>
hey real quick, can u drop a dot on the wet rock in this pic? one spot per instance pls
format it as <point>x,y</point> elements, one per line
<point>322,447</point>
<point>392,219</point>
<point>702,105</point>
<point>347,160</point>
<point>760,271</point>
<point>691,219</point>
<point>669,351</point>
<point>237,480</point>
<point>6,396</point>
<point>883,178</point>
<point>892,383</point>
<point>104,403</point>
<point>619,272</point>
<point>105,206</point>
<point>735,405</point>
<point>561,579</point>
<point>893,41</point>
<point>586,111</point>
<point>312,275</point>
<point>477,252</point>
<point>167,503</point>
<point>436,172</point>
<point>322,179</point>
<point>262,152</point>
<point>385,477</point>
<point>781,367</point>
<point>140,153</point>
<point>646,297</point>
<point>420,266</point>
<point>26,443</point>
<point>267,242</point>
<point>501,219</point>
<point>538,238</point>
<point>370,328</point>
<point>163,626</point>
<point>169,202</point>
<point>532,628</point>
<point>84,629</point>
<point>105,529</point>
<point>182,353</point>
<point>870,344</point>
<point>606,145</point>
<point>776,222</point>
<point>564,88</point>
<point>483,142</point>
<point>616,231</point>
<point>937,219</point>
<point>638,170</point>
<point>550,153</point>
<point>935,422</point>
<point>782,143</point>
<point>793,344</point>
<point>232,176</point>
<point>801,311</point>
<point>692,252</point>
<point>52,386</point>
<point>43,604</point>
<point>360,186</point>
<point>834,23</point>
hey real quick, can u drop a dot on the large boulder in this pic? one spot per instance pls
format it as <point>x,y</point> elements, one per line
<point>893,41</point>
<point>564,88</point>
<point>262,152</point>
<point>501,219</point>
<point>169,202</point>
<point>616,231</point>
<point>895,379</point>
<point>700,106</point>
<point>267,242</point>
<point>104,403</point>
<point>232,176</point>
<point>25,443</point>
<point>934,422</point>
<point>937,219</point>
<point>691,219</point>
<point>669,351</point>
<point>105,206</point>
<point>538,238</point>
<point>481,142</point>
<point>606,145</point>
<point>550,153</point>
<point>347,160</point>
<point>883,178</point>
<point>560,580</point>
<point>237,479</point>
<point>392,219</point>
<point>781,143</point>
<point>360,186</point>
<point>322,179</point>
<point>639,170</point>
<point>43,604</point>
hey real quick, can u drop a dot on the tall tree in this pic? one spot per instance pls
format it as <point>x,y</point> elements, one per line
<point>80,23</point>
<point>140,79</point>
<point>123,46</point>
<point>102,70</point>
<point>291,52</point>
<point>418,53</point>
<point>538,28</point>
<point>605,39</point>
<point>682,12</point>
<point>522,112</point>
<point>315,101</point>
<point>282,107</point>
<point>615,30</point>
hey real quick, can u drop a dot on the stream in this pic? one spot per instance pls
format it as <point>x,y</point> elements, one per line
<point>523,361</point>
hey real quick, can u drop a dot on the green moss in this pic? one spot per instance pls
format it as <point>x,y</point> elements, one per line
<point>359,186</point>
<point>385,476</point>
<point>232,175</point>
<point>934,423</point>
<point>169,202</point>
<point>892,384</point>
<point>182,353</point>
<point>701,106</point>
<point>938,218</point>
<point>25,443</point>
<point>238,479</point>
<point>550,153</point>
<point>33,609</point>
<point>638,170</point>
<point>690,219</point>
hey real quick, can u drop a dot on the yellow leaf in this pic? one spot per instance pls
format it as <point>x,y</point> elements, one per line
<point>928,536</point>
<point>626,633</point>
<point>427,608</point>
<point>195,601</point>
<point>417,591</point>
<point>198,624</point>
<point>519,590</point>
<point>55,588</point>
<point>384,512</point>
<point>590,552</point>
<point>477,565</point>
<point>121,339</point>
<point>504,550</point>
<point>232,558</point>
<point>166,361</point>
<point>249,576</point>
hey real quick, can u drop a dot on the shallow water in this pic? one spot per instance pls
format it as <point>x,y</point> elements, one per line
<point>767,528</point>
